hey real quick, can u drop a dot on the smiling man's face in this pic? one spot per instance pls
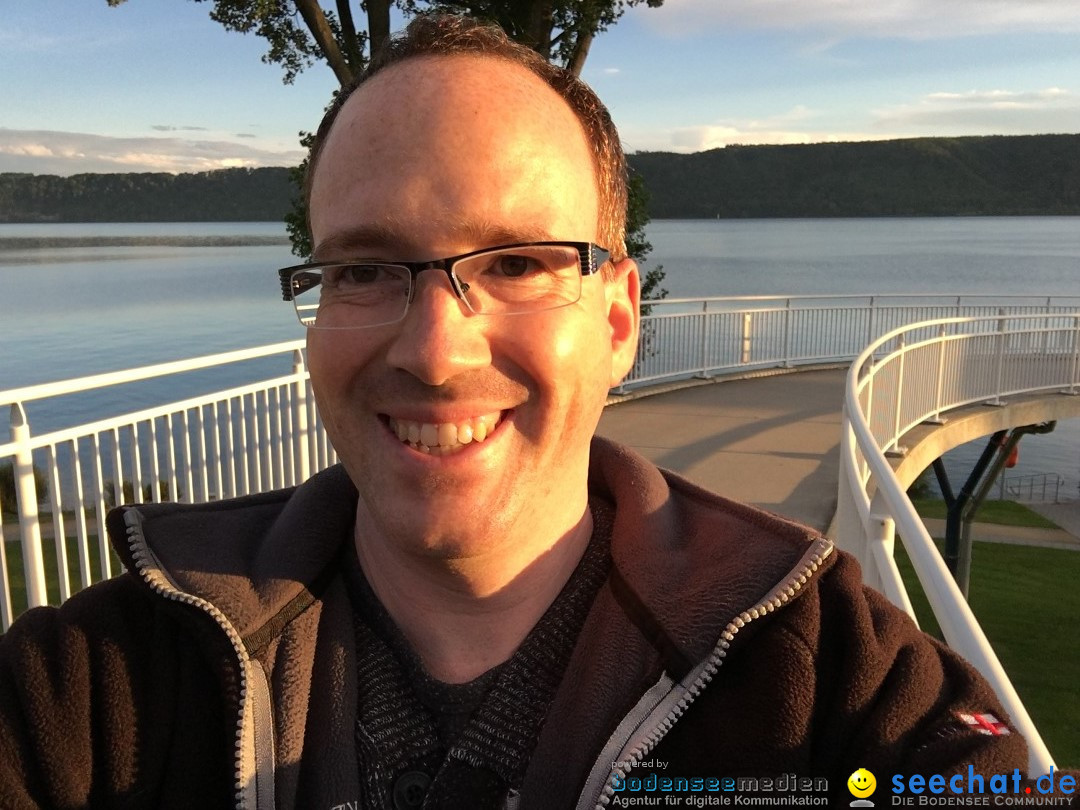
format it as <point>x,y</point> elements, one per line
<point>434,157</point>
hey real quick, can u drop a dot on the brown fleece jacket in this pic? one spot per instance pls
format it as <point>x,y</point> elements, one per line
<point>743,644</point>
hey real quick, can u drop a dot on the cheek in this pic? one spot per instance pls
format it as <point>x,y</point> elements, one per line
<point>577,358</point>
<point>335,358</point>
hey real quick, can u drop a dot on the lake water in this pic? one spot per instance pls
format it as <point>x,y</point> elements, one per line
<point>69,309</point>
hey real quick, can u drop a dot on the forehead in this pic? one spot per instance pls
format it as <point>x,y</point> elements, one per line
<point>455,143</point>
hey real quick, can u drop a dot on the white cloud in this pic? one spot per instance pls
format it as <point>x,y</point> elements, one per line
<point>982,112</point>
<point>917,19</point>
<point>797,125</point>
<point>171,128</point>
<point>65,153</point>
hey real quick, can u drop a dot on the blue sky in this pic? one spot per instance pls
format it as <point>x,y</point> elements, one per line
<point>157,86</point>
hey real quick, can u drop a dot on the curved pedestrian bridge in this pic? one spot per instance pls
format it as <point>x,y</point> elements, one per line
<point>773,440</point>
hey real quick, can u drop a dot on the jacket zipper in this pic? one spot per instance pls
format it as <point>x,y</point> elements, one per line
<point>253,746</point>
<point>676,698</point>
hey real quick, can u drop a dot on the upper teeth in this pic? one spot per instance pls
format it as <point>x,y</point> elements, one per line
<point>445,436</point>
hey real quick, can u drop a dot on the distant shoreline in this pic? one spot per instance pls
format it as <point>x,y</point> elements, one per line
<point>203,240</point>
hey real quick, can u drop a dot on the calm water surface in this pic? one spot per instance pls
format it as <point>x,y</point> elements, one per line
<point>68,310</point>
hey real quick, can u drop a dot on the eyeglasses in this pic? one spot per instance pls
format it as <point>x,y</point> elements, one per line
<point>506,280</point>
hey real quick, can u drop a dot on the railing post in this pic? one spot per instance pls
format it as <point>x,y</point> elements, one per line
<point>895,442</point>
<point>1000,359</point>
<point>747,335</point>
<point>940,373</point>
<point>787,333</point>
<point>870,320</point>
<point>706,333</point>
<point>1074,377</point>
<point>27,502</point>
<point>301,418</point>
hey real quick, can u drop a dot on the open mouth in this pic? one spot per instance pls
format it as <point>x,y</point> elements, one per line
<point>445,437</point>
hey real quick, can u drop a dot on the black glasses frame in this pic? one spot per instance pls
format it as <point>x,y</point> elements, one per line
<point>298,278</point>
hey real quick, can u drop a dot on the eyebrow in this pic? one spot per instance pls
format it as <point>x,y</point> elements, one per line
<point>357,240</point>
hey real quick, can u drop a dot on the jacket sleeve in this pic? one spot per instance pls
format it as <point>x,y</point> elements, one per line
<point>45,722</point>
<point>96,697</point>
<point>897,702</point>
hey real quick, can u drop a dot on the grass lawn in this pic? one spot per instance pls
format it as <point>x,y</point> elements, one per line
<point>17,577</point>
<point>1028,604</point>
<point>1004,513</point>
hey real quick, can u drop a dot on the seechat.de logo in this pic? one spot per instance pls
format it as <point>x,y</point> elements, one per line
<point>862,784</point>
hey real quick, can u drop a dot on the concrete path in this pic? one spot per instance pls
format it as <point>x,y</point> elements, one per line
<point>1066,515</point>
<point>772,441</point>
<point>1016,535</point>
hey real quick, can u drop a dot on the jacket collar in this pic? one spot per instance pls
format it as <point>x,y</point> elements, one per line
<point>278,545</point>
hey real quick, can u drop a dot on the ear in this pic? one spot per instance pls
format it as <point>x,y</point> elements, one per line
<point>622,292</point>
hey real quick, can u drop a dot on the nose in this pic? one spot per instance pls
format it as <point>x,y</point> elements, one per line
<point>439,338</point>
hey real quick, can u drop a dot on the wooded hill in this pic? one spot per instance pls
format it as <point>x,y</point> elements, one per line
<point>226,195</point>
<point>997,175</point>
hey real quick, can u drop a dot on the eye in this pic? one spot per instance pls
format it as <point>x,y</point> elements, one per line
<point>514,265</point>
<point>353,275</point>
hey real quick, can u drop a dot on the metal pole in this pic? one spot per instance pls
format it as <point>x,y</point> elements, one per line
<point>899,393</point>
<point>955,514</point>
<point>747,329</point>
<point>787,334</point>
<point>940,375</point>
<point>1074,378</point>
<point>706,335</point>
<point>27,503</point>
<point>303,421</point>
<point>1000,360</point>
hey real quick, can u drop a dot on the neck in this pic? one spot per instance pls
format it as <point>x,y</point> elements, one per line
<point>465,616</point>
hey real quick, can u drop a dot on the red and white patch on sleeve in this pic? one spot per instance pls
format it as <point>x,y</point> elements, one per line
<point>983,724</point>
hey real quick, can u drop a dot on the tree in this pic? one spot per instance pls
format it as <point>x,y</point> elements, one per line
<point>7,486</point>
<point>301,32</point>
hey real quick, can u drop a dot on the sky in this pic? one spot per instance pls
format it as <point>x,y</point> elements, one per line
<point>156,85</point>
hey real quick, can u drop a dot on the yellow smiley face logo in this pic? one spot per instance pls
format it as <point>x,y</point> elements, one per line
<point>861,783</point>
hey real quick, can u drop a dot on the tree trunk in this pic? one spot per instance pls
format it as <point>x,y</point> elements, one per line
<point>353,51</point>
<point>324,37</point>
<point>580,53</point>
<point>539,22</point>
<point>378,12</point>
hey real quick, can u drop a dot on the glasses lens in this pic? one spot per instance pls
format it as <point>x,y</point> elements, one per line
<point>521,279</point>
<point>346,296</point>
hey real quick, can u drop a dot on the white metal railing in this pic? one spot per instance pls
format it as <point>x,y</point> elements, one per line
<point>913,374</point>
<point>209,442</point>
<point>264,433</point>
<point>248,437</point>
<point>1041,487</point>
<point>702,337</point>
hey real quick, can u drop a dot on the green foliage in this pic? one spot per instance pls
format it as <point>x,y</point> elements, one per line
<point>638,247</point>
<point>230,195</point>
<point>995,175</point>
<point>1024,597</point>
<point>1030,174</point>
<point>296,219</point>
<point>559,30</point>
<point>128,491</point>
<point>921,488</point>
<point>7,486</point>
<point>1001,513</point>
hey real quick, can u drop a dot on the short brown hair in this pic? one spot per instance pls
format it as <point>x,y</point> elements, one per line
<point>448,35</point>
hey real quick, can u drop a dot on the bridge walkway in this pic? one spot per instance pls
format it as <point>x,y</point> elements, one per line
<point>774,441</point>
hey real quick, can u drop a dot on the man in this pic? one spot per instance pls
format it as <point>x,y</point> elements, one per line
<point>483,606</point>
